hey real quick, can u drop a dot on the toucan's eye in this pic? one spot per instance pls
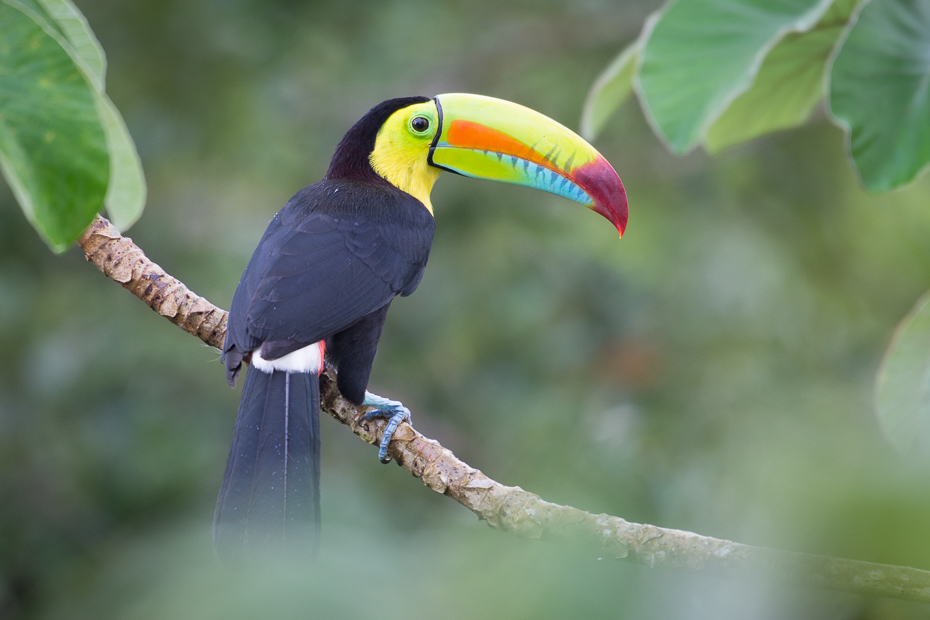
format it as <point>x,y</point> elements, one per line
<point>419,124</point>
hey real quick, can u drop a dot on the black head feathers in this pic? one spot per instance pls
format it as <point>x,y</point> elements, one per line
<point>351,157</point>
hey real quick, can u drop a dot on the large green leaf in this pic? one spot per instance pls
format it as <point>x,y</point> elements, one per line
<point>702,54</point>
<point>614,85</point>
<point>53,150</point>
<point>789,84</point>
<point>76,30</point>
<point>125,196</point>
<point>66,20</point>
<point>903,390</point>
<point>880,91</point>
<point>609,91</point>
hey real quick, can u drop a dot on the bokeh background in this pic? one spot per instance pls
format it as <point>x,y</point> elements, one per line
<point>712,371</point>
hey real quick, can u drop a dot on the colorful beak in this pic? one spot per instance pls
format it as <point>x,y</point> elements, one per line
<point>493,139</point>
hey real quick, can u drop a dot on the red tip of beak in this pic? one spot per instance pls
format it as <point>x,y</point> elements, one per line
<point>600,181</point>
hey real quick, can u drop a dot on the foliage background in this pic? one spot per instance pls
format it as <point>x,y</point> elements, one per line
<point>711,372</point>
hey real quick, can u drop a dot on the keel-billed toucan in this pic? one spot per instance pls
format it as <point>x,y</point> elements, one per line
<point>325,272</point>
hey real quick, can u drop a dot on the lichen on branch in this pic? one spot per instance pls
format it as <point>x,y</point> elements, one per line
<point>122,260</point>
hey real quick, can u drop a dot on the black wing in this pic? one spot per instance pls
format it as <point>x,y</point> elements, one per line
<point>336,252</point>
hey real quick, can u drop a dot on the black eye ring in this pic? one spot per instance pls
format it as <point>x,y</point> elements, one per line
<point>419,124</point>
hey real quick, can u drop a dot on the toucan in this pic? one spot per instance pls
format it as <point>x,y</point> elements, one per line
<point>319,285</point>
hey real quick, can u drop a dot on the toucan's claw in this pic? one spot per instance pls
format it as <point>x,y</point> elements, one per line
<point>393,410</point>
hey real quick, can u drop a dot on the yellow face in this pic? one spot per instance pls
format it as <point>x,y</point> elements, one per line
<point>402,147</point>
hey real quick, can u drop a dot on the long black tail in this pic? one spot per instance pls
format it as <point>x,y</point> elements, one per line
<point>270,497</point>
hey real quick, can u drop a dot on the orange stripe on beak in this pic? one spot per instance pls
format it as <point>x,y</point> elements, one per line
<point>471,135</point>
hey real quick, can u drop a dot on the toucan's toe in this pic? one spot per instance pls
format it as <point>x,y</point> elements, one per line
<point>395,413</point>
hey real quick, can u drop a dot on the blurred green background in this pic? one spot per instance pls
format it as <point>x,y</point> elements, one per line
<point>711,372</point>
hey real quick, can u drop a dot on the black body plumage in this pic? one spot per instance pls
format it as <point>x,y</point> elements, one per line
<point>326,269</point>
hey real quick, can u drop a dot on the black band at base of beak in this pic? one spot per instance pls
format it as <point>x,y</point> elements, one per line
<point>432,146</point>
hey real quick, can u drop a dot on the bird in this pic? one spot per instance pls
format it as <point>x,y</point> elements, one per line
<point>321,280</point>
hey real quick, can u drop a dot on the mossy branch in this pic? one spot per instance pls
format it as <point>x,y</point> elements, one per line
<point>508,508</point>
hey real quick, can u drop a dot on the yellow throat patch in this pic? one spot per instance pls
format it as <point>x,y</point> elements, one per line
<point>400,151</point>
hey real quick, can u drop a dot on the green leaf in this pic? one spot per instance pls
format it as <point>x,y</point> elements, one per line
<point>76,30</point>
<point>880,91</point>
<point>68,22</point>
<point>788,86</point>
<point>125,198</point>
<point>610,90</point>
<point>702,54</point>
<point>903,387</point>
<point>52,148</point>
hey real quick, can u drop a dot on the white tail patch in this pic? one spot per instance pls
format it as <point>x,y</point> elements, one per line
<point>308,359</point>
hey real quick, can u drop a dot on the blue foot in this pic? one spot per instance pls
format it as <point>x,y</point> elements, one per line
<point>395,413</point>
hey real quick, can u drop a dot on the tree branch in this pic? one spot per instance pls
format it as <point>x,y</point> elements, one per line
<point>502,507</point>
